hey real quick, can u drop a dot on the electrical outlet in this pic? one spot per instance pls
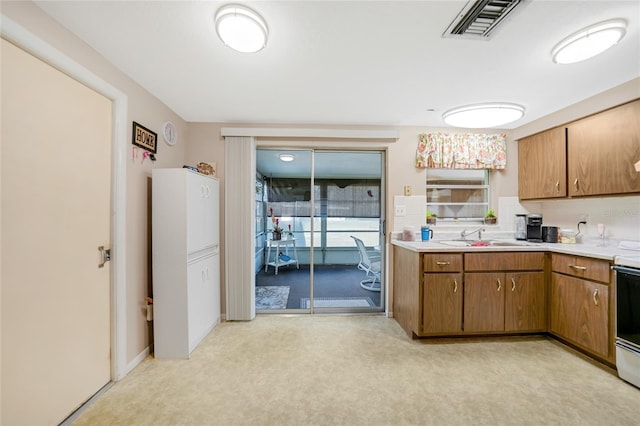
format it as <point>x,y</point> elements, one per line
<point>408,191</point>
<point>401,211</point>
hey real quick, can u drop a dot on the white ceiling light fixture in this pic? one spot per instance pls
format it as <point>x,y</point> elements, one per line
<point>241,28</point>
<point>287,157</point>
<point>589,41</point>
<point>483,115</point>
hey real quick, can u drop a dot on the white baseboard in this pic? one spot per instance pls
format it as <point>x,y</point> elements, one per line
<point>137,360</point>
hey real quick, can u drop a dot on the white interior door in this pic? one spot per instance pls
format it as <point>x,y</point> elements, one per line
<point>55,212</point>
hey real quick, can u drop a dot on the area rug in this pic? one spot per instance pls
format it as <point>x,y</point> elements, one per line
<point>272,297</point>
<point>337,302</point>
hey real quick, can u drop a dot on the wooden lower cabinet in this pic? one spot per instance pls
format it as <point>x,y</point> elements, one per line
<point>484,302</point>
<point>456,294</point>
<point>442,303</point>
<point>510,302</point>
<point>525,302</point>
<point>580,312</point>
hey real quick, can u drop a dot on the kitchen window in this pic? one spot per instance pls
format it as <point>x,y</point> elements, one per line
<point>458,195</point>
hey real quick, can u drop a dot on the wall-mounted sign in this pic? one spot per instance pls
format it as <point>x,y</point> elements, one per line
<point>144,138</point>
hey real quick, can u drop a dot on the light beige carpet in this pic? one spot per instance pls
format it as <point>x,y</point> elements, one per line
<point>363,370</point>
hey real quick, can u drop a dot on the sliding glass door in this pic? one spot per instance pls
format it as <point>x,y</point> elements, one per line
<point>320,231</point>
<point>349,212</point>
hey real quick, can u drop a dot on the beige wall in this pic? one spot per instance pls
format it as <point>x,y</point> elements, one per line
<point>144,109</point>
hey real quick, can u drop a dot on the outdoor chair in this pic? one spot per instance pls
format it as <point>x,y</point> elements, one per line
<point>370,264</point>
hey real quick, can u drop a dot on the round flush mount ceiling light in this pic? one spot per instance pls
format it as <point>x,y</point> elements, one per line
<point>241,28</point>
<point>589,42</point>
<point>483,115</point>
<point>287,157</point>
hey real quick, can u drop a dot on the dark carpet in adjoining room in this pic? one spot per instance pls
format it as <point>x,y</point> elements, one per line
<point>329,281</point>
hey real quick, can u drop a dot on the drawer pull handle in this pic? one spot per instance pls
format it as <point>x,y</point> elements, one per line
<point>579,268</point>
<point>513,284</point>
<point>558,186</point>
<point>455,286</point>
<point>575,183</point>
<point>595,296</point>
<point>499,285</point>
<point>441,263</point>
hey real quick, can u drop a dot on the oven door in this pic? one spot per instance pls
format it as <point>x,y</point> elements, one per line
<point>628,305</point>
<point>628,324</point>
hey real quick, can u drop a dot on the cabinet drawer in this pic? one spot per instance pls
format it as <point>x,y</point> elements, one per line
<point>442,262</point>
<point>581,267</point>
<point>503,261</point>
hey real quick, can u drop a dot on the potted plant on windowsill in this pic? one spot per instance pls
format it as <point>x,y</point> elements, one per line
<point>431,218</point>
<point>490,218</point>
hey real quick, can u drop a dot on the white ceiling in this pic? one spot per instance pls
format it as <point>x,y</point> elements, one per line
<point>352,62</point>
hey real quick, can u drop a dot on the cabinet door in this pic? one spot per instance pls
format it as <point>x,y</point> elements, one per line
<point>525,302</point>
<point>442,303</point>
<point>602,150</point>
<point>484,301</point>
<point>196,301</point>
<point>542,161</point>
<point>210,300</point>
<point>195,192</point>
<point>209,203</point>
<point>593,318</point>
<point>563,305</point>
<point>579,312</point>
<point>213,211</point>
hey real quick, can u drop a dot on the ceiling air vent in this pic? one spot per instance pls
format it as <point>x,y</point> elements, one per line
<point>480,18</point>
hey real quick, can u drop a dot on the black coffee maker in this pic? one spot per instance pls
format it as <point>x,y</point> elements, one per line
<point>534,228</point>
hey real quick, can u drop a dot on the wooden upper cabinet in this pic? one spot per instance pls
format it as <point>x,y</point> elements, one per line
<point>542,165</point>
<point>602,150</point>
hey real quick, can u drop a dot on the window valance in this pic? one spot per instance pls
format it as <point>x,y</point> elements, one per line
<point>461,151</point>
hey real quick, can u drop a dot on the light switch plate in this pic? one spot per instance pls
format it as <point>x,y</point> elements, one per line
<point>408,191</point>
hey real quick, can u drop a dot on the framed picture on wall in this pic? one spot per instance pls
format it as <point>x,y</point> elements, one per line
<point>144,138</point>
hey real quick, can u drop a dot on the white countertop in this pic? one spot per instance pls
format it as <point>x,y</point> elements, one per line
<point>608,252</point>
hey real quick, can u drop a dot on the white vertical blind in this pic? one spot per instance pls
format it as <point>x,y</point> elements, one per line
<point>240,176</point>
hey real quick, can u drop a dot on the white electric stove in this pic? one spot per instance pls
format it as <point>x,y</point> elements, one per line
<point>627,269</point>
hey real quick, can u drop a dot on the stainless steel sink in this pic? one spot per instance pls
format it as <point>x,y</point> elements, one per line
<point>455,243</point>
<point>491,243</point>
<point>507,243</point>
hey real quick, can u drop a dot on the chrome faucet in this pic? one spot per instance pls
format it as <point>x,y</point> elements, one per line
<point>464,234</point>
